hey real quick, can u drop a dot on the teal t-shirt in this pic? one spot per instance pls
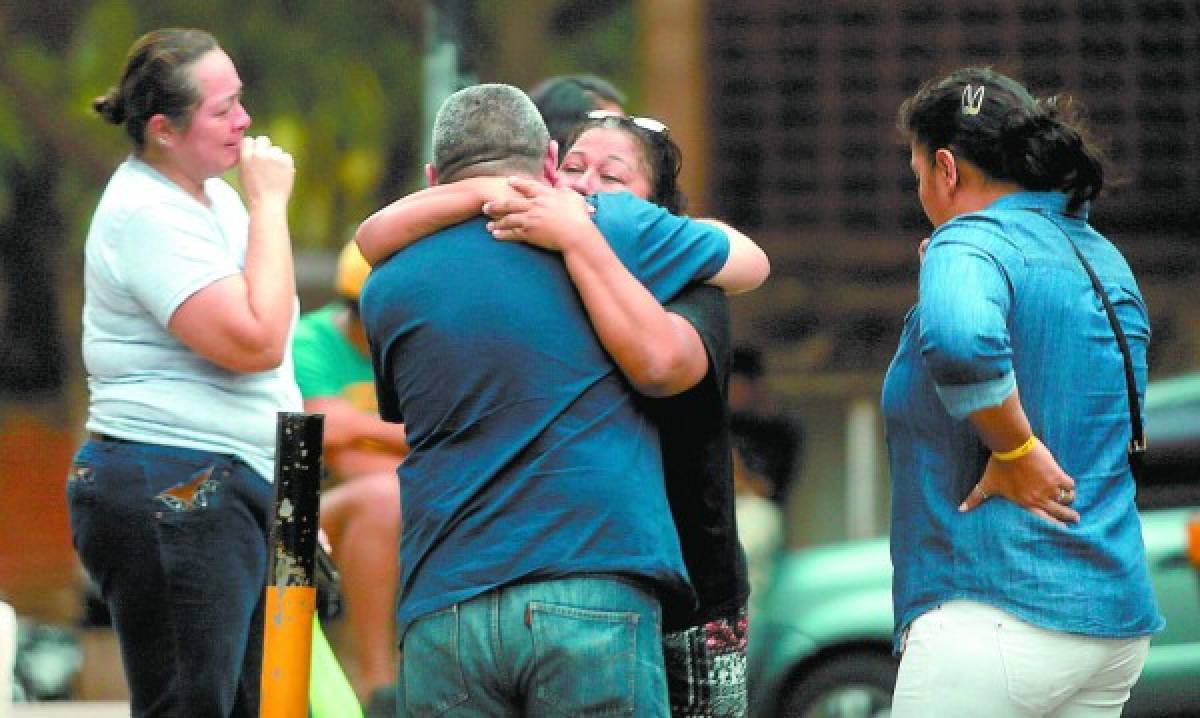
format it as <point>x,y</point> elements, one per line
<point>531,458</point>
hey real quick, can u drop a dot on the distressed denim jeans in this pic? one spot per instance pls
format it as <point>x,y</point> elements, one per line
<point>176,539</point>
<point>580,646</point>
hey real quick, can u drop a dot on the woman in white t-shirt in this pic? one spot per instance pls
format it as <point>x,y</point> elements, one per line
<point>189,305</point>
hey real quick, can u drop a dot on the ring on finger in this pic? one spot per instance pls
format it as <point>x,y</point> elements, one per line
<point>1063,494</point>
<point>982,494</point>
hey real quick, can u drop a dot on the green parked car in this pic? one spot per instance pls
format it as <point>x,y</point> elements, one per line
<point>821,644</point>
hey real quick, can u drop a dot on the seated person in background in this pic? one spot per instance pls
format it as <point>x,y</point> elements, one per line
<point>748,389</point>
<point>774,445</point>
<point>764,452</point>
<point>361,513</point>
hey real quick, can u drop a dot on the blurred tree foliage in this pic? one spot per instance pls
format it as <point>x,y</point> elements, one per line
<point>338,84</point>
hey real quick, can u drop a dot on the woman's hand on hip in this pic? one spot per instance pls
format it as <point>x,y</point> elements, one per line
<point>1034,481</point>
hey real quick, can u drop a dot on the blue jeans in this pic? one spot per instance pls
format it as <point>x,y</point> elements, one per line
<point>581,646</point>
<point>176,539</point>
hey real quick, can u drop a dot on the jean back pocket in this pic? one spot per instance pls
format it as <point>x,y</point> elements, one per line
<point>586,659</point>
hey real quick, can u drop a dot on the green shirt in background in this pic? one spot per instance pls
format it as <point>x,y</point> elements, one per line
<point>327,364</point>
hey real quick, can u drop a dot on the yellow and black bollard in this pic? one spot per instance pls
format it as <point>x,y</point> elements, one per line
<point>291,592</point>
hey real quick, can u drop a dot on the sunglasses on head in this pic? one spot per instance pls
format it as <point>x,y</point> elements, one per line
<point>646,123</point>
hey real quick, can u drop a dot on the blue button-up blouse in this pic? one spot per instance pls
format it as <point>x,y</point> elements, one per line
<point>1003,302</point>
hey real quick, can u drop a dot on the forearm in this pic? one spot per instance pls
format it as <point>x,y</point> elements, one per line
<point>380,435</point>
<point>348,427</point>
<point>269,276</point>
<point>1021,468</point>
<point>1002,427</point>
<point>660,353</point>
<point>747,266</point>
<point>422,213</point>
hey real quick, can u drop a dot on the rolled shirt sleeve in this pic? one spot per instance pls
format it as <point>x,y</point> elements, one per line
<point>965,297</point>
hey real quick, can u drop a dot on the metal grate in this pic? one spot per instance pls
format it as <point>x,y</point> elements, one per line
<point>805,95</point>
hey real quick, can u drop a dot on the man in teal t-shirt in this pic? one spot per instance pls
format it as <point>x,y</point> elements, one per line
<point>361,513</point>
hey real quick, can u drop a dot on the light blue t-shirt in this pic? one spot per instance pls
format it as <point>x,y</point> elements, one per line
<point>149,248</point>
<point>531,457</point>
<point>1003,303</point>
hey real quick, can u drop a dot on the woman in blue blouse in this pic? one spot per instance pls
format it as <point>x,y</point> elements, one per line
<point>1020,584</point>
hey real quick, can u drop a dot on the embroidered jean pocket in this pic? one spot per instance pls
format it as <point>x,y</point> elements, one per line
<point>195,493</point>
<point>587,659</point>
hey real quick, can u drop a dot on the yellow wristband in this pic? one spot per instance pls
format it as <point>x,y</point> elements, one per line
<point>1022,450</point>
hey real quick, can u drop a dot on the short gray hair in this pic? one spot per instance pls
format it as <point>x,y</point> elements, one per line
<point>488,129</point>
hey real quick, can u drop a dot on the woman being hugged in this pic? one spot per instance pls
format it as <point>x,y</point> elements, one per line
<point>1020,586</point>
<point>189,304</point>
<point>677,356</point>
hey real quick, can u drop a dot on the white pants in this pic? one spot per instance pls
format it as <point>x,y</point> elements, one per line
<point>969,659</point>
<point>8,654</point>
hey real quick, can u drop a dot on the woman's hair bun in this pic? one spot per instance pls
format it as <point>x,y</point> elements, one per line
<point>1018,128</point>
<point>110,107</point>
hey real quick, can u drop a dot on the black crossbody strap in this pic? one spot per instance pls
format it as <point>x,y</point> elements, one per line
<point>1137,446</point>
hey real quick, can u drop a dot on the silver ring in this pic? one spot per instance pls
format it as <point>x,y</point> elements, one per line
<point>1063,495</point>
<point>983,494</point>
